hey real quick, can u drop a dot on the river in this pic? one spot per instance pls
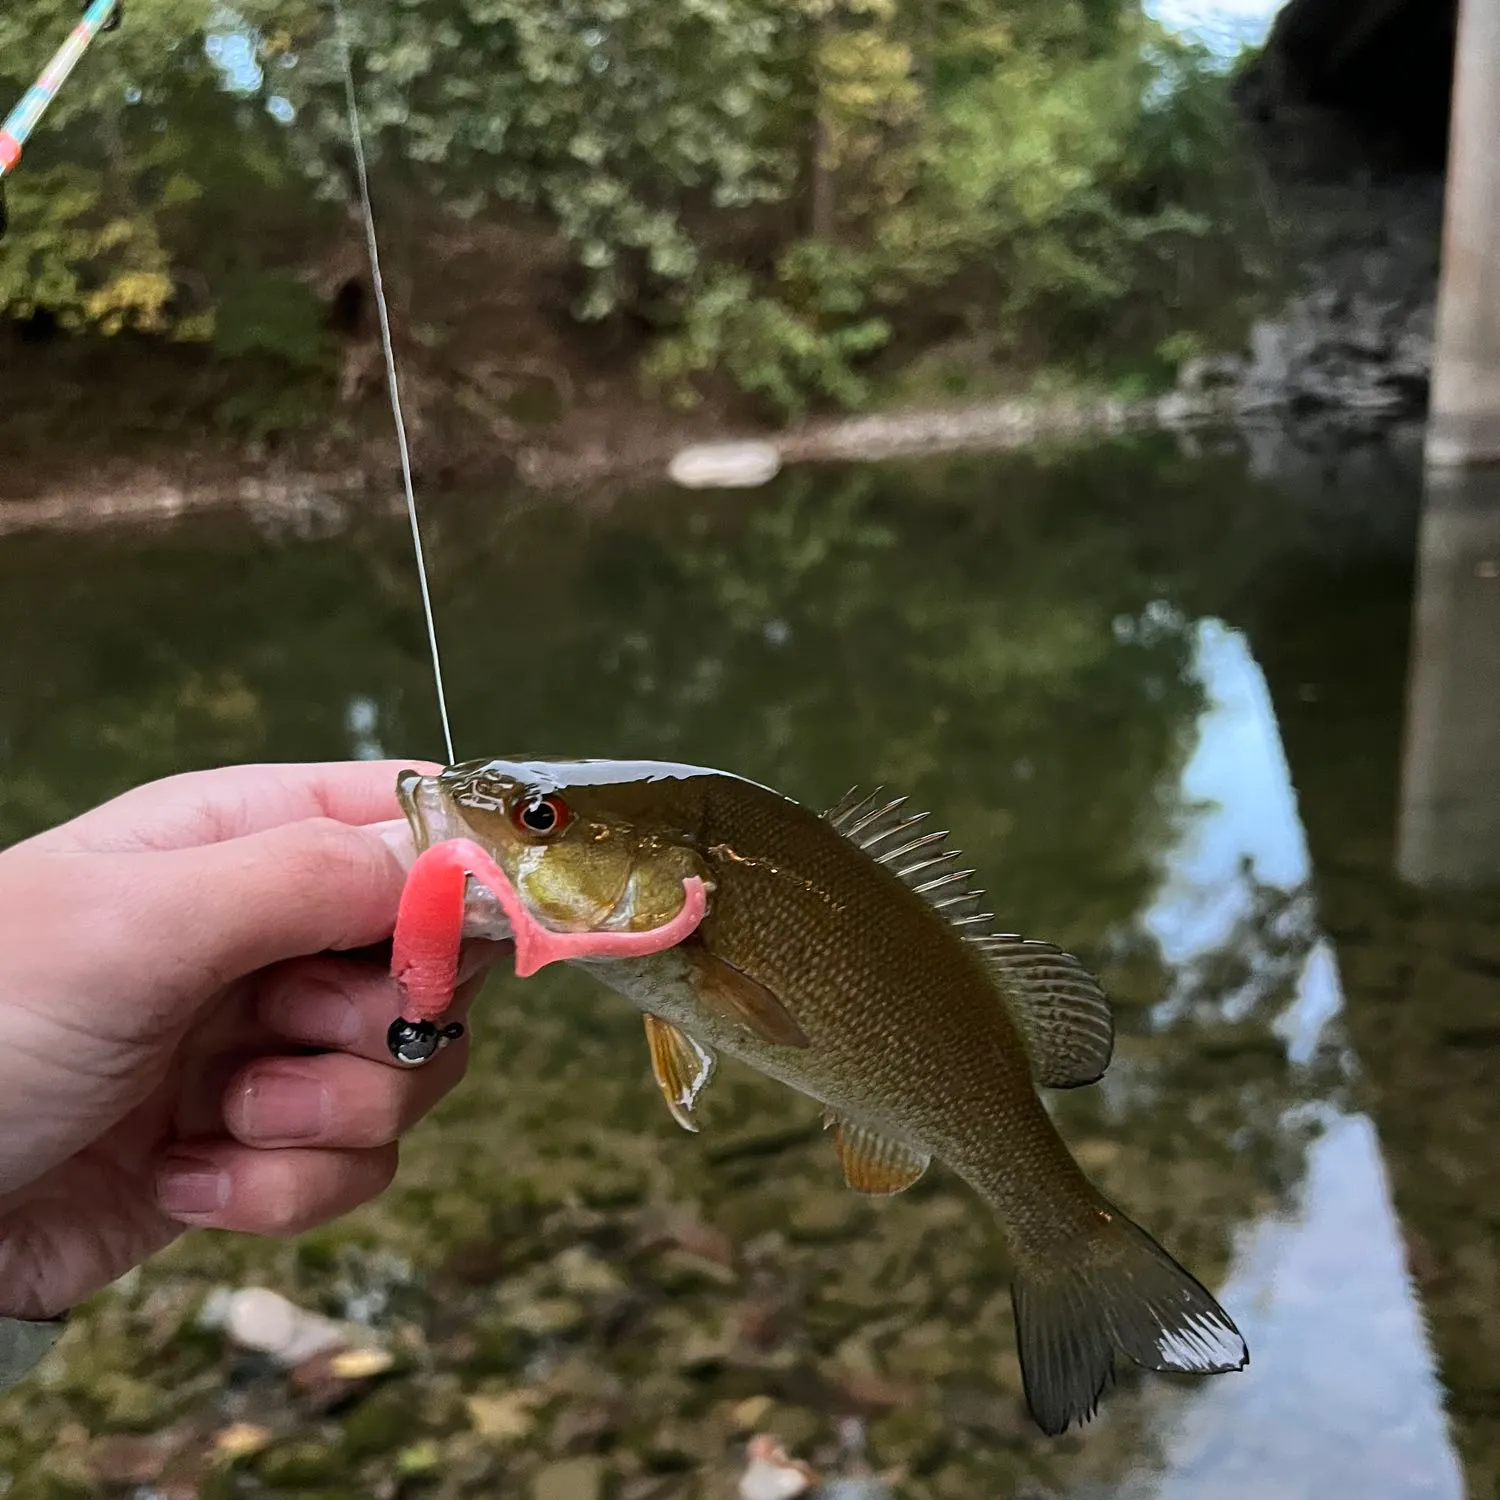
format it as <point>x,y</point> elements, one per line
<point>1168,695</point>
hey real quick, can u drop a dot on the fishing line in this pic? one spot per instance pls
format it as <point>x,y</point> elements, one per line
<point>388,347</point>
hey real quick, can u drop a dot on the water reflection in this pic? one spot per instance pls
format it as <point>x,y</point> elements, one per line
<point>1336,1260</point>
<point>1336,1330</point>
<point>1100,683</point>
<point>1450,795</point>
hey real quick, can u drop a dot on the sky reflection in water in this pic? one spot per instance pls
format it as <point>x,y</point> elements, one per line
<point>1337,1264</point>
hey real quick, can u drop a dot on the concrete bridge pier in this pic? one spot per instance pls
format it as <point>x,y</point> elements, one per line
<point>1464,418</point>
<point>1449,832</point>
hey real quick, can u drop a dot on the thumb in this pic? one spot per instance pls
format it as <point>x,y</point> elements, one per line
<point>230,908</point>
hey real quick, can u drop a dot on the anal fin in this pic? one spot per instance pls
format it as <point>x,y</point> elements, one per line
<point>874,1163</point>
<point>682,1067</point>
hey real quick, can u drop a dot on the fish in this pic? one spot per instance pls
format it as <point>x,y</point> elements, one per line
<point>845,954</point>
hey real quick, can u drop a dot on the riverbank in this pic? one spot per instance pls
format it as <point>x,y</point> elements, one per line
<point>1347,354</point>
<point>278,497</point>
<point>162,490</point>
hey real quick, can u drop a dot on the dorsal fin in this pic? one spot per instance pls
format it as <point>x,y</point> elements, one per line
<point>1060,1007</point>
<point>888,834</point>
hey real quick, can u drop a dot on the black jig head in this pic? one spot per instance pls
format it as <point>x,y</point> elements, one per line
<point>413,1043</point>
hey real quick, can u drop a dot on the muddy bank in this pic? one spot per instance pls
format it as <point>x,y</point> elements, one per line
<point>280,498</point>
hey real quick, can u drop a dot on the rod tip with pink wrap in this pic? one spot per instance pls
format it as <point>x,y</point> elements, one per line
<point>429,934</point>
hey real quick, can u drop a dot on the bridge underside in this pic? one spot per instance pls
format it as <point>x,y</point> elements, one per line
<point>1384,68</point>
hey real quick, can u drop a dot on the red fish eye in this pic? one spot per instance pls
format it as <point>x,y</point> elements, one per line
<point>542,817</point>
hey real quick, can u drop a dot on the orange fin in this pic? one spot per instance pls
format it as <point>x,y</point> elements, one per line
<point>874,1163</point>
<point>681,1066</point>
<point>733,995</point>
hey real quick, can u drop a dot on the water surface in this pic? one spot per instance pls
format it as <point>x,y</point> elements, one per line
<point>1168,702</point>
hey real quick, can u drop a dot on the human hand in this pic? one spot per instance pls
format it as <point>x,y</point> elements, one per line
<point>164,961</point>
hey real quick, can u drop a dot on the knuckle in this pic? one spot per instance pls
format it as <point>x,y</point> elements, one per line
<point>385,1118</point>
<point>322,849</point>
<point>323,853</point>
<point>281,1206</point>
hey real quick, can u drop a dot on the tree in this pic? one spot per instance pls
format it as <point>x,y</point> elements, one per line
<point>776,190</point>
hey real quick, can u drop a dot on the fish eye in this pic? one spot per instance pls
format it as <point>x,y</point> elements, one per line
<point>541,817</point>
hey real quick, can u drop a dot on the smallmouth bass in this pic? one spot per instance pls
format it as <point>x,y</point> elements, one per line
<point>845,955</point>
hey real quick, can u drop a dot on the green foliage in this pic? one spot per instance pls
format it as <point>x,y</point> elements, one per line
<point>140,158</point>
<point>69,255</point>
<point>1055,171</point>
<point>799,340</point>
<point>1066,180</point>
<point>609,120</point>
<point>779,189</point>
<point>269,314</point>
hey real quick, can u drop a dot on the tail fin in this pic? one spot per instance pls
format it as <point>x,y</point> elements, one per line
<point>1112,1290</point>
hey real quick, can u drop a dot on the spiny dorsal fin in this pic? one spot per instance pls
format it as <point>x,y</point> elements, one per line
<point>1063,1013</point>
<point>888,835</point>
<point>681,1066</point>
<point>874,1163</point>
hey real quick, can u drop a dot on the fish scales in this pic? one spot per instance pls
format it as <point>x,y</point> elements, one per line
<point>901,1012</point>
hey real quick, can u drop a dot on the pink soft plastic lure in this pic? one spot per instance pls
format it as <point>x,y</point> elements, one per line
<point>429,930</point>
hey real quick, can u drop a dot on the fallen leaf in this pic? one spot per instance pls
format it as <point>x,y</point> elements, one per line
<point>121,1458</point>
<point>258,1318</point>
<point>504,1419</point>
<point>361,1364</point>
<point>242,1440</point>
<point>870,1392</point>
<point>752,1411</point>
<point>420,1458</point>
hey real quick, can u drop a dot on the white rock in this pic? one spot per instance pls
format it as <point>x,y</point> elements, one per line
<point>725,466</point>
<point>258,1318</point>
<point>771,1474</point>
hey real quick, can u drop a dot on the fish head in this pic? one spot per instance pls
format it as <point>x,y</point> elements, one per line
<point>584,855</point>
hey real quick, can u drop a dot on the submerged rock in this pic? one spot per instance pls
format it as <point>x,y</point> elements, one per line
<point>772,1474</point>
<point>570,1479</point>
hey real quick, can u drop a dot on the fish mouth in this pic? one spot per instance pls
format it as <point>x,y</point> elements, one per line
<point>428,813</point>
<point>432,819</point>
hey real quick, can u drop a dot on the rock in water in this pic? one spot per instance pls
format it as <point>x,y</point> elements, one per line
<point>771,1474</point>
<point>725,466</point>
<point>570,1479</point>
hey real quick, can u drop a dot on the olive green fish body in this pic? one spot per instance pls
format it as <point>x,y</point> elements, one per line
<point>843,955</point>
<point>906,1031</point>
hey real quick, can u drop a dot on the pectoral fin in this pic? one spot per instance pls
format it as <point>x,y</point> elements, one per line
<point>682,1068</point>
<point>733,995</point>
<point>874,1163</point>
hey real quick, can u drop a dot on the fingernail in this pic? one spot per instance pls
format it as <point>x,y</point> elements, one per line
<point>282,1106</point>
<point>190,1187</point>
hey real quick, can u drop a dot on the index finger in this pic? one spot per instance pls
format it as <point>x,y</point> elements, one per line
<point>208,807</point>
